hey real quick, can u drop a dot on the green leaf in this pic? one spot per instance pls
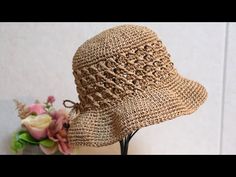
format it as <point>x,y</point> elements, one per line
<point>22,141</point>
<point>19,133</point>
<point>16,145</point>
<point>25,136</point>
<point>47,143</point>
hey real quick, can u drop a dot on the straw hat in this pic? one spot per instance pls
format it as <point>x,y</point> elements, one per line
<point>125,81</point>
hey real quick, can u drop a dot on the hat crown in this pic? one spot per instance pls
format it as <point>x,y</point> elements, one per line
<point>117,62</point>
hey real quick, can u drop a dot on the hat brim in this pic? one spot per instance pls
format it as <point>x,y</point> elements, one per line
<point>175,98</point>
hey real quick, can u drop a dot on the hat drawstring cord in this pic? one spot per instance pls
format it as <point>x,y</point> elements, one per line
<point>74,106</point>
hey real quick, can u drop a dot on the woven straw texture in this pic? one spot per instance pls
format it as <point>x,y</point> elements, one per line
<point>125,81</point>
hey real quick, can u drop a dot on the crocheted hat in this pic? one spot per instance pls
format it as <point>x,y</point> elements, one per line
<point>125,81</point>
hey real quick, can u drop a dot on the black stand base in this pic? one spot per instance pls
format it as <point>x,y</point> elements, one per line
<point>124,144</point>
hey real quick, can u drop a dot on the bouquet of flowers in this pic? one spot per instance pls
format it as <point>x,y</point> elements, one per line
<point>42,125</point>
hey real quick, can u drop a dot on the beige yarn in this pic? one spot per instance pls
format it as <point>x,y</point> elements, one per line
<point>126,80</point>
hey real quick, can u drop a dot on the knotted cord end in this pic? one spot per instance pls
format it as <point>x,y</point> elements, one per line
<point>74,106</point>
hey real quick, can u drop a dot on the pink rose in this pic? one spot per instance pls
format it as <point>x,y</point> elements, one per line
<point>37,125</point>
<point>36,108</point>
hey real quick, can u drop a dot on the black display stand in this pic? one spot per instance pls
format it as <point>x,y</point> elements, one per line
<point>124,144</point>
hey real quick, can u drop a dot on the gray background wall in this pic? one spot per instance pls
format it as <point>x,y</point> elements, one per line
<point>35,61</point>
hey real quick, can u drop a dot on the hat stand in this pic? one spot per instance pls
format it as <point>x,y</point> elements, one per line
<point>124,143</point>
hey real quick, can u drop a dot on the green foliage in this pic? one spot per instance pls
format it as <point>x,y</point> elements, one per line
<point>21,139</point>
<point>16,144</point>
<point>47,143</point>
<point>25,136</point>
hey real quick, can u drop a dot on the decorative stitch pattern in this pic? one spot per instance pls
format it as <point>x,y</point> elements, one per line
<point>110,80</point>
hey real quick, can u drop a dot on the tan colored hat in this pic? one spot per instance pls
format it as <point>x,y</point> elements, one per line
<point>126,80</point>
